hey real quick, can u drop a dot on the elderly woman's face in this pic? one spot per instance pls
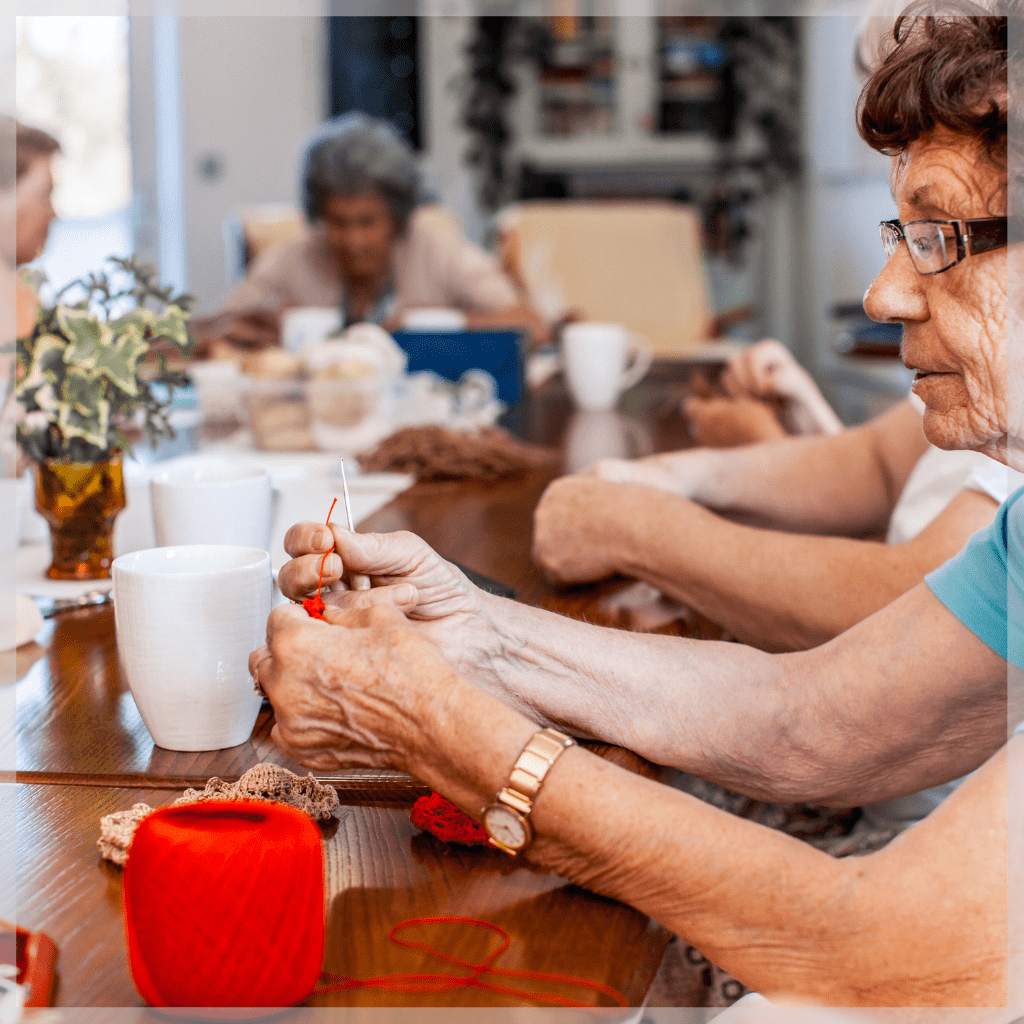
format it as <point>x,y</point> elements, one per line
<point>954,323</point>
<point>360,230</point>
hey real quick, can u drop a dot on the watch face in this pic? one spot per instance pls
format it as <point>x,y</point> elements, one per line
<point>505,826</point>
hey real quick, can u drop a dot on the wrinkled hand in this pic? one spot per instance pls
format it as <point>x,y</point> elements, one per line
<point>241,329</point>
<point>352,690</point>
<point>579,527</point>
<point>431,591</point>
<point>726,422</point>
<point>768,370</point>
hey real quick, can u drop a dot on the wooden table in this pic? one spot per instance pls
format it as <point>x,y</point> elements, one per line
<point>83,751</point>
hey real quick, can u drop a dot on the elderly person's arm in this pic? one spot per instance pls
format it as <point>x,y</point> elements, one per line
<point>862,719</point>
<point>921,923</point>
<point>793,483</point>
<point>779,591</point>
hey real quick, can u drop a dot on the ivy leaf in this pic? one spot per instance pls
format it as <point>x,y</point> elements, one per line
<point>83,391</point>
<point>91,428</point>
<point>172,325</point>
<point>138,317</point>
<point>85,332</point>
<point>47,355</point>
<point>118,361</point>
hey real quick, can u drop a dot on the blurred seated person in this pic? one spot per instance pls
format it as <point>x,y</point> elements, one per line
<point>371,247</point>
<point>27,210</point>
<point>767,395</point>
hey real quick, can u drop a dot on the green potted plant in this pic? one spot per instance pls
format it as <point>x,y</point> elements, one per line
<point>82,376</point>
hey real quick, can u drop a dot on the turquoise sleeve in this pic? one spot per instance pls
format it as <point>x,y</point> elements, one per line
<point>983,586</point>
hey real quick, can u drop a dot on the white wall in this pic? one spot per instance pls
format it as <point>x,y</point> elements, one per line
<point>846,195</point>
<point>444,35</point>
<point>251,90</point>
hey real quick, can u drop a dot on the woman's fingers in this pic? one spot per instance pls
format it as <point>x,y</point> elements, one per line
<point>300,577</point>
<point>307,538</point>
<point>401,596</point>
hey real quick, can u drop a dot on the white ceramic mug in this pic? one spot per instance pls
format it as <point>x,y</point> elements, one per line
<point>212,501</point>
<point>187,619</point>
<point>594,356</point>
<point>306,325</point>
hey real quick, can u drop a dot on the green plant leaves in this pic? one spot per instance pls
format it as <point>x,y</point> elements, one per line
<point>90,426</point>
<point>117,360</point>
<point>172,325</point>
<point>80,371</point>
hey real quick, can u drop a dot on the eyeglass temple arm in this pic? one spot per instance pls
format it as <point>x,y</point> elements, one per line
<point>986,234</point>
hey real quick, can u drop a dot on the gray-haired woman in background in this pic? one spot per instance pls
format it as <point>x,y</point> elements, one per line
<point>371,246</point>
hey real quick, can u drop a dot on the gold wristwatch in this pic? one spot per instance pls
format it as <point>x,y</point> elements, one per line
<point>507,819</point>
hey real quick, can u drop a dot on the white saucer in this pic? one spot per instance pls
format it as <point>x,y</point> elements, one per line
<point>32,562</point>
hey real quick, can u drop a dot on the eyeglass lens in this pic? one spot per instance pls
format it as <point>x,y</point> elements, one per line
<point>932,247</point>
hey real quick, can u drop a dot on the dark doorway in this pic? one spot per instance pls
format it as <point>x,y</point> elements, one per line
<point>374,67</point>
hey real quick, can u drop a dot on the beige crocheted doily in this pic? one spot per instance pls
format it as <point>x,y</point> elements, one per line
<point>267,782</point>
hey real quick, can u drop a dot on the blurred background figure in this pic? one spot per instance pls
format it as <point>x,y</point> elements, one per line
<point>28,199</point>
<point>371,246</point>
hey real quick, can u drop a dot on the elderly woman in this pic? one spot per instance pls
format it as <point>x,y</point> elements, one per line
<point>456,689</point>
<point>371,246</point>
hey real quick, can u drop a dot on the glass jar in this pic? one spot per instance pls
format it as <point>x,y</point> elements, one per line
<point>80,501</point>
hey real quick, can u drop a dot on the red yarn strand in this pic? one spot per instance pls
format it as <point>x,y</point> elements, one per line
<point>315,605</point>
<point>449,982</point>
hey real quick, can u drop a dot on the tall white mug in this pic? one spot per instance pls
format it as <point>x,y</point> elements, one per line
<point>187,619</point>
<point>595,358</point>
<point>212,501</point>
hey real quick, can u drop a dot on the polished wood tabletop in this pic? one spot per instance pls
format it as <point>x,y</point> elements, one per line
<point>83,751</point>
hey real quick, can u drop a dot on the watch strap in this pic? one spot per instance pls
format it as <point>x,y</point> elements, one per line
<point>531,767</point>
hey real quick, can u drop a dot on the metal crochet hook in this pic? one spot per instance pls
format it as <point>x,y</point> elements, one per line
<point>357,581</point>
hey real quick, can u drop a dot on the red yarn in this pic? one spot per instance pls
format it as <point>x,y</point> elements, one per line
<point>223,905</point>
<point>477,976</point>
<point>440,817</point>
<point>315,605</point>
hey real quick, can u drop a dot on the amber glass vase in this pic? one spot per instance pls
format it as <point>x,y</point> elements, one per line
<point>80,501</point>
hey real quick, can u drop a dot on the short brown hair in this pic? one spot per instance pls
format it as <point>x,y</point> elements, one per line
<point>30,145</point>
<point>20,147</point>
<point>947,71</point>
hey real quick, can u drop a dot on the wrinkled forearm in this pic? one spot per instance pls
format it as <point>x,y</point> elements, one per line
<point>792,484</point>
<point>827,725</point>
<point>777,591</point>
<point>649,694</point>
<point>778,914</point>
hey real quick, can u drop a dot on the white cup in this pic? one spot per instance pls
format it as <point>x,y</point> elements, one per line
<point>307,325</point>
<point>594,356</point>
<point>187,619</point>
<point>212,501</point>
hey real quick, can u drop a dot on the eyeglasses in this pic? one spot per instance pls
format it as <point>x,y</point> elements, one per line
<point>937,245</point>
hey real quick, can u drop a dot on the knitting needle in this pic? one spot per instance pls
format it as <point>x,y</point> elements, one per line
<point>357,581</point>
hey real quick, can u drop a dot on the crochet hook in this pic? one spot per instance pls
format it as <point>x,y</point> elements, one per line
<point>357,581</point>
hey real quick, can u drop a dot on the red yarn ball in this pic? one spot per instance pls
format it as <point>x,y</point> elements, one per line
<point>224,905</point>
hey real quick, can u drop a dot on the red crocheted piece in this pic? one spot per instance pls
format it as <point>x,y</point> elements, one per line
<point>440,817</point>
